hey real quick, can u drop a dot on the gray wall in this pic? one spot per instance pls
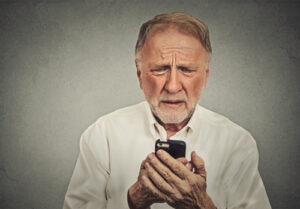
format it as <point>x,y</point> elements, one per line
<point>63,64</point>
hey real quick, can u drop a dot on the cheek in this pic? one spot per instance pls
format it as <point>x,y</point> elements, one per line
<point>195,88</point>
<point>152,85</point>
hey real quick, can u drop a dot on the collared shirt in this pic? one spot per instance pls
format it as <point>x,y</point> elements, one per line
<point>112,149</point>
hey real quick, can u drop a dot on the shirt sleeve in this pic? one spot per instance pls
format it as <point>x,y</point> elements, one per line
<point>87,188</point>
<point>245,187</point>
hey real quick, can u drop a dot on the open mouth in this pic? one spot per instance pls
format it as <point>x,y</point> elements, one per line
<point>173,103</point>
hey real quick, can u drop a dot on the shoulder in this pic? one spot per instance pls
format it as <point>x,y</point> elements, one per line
<point>122,117</point>
<point>137,110</point>
<point>229,130</point>
<point>96,136</point>
<point>214,118</point>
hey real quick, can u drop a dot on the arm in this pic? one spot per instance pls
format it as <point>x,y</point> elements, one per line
<point>87,186</point>
<point>245,187</point>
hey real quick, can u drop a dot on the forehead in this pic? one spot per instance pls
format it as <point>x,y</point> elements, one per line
<point>171,42</point>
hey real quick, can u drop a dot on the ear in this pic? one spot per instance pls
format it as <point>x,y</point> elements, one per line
<point>138,71</point>
<point>206,74</point>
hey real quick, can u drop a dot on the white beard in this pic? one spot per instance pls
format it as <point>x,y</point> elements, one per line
<point>171,116</point>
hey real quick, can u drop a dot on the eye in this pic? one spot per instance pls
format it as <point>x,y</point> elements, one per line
<point>186,70</point>
<point>159,71</point>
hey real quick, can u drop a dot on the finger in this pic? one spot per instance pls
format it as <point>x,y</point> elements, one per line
<point>143,164</point>
<point>158,181</point>
<point>178,168</point>
<point>146,182</point>
<point>198,164</point>
<point>183,160</point>
<point>189,166</point>
<point>163,170</point>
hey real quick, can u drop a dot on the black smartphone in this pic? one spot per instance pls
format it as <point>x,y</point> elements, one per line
<point>176,148</point>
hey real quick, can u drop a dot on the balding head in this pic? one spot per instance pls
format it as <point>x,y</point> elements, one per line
<point>185,24</point>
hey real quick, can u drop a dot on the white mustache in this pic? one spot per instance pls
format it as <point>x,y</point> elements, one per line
<point>172,99</point>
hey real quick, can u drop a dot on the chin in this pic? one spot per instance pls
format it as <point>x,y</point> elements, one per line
<point>170,115</point>
<point>171,118</point>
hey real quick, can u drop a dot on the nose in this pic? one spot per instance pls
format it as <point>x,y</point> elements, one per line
<point>173,84</point>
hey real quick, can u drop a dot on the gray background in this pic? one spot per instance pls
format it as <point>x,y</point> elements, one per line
<point>65,63</point>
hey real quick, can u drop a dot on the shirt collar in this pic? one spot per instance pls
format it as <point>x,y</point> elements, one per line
<point>149,115</point>
<point>193,122</point>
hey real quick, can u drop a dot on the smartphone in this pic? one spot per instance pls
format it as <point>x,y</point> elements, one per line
<point>176,148</point>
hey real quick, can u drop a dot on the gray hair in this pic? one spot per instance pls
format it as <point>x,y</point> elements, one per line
<point>185,23</point>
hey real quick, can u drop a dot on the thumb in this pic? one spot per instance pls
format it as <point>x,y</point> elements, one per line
<point>198,165</point>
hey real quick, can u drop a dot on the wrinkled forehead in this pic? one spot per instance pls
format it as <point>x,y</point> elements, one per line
<point>179,27</point>
<point>172,42</point>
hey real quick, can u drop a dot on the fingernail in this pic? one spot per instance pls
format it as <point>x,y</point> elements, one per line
<point>193,154</point>
<point>160,153</point>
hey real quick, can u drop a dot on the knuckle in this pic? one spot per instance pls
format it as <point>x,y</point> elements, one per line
<point>143,183</point>
<point>143,179</point>
<point>176,167</point>
<point>143,164</point>
<point>155,194</point>
<point>153,161</point>
<point>160,184</point>
<point>150,172</point>
<point>171,201</point>
<point>166,174</point>
<point>178,197</point>
<point>186,190</point>
<point>142,172</point>
<point>203,185</point>
<point>149,169</point>
<point>192,180</point>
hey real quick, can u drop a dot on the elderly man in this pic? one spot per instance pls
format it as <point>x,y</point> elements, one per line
<point>117,168</point>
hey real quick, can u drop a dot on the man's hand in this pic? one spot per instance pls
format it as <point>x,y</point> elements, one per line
<point>175,183</point>
<point>143,193</point>
<point>140,194</point>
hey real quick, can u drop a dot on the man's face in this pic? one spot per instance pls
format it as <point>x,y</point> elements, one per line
<point>172,69</point>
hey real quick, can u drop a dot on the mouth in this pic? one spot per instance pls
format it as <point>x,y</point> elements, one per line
<point>173,104</point>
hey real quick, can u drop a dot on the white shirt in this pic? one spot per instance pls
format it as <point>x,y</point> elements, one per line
<point>112,149</point>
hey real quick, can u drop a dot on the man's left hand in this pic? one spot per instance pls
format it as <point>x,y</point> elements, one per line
<point>182,187</point>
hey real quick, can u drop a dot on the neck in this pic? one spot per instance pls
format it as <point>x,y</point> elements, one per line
<point>172,129</point>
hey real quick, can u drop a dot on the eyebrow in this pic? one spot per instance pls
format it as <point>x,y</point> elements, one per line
<point>159,65</point>
<point>192,66</point>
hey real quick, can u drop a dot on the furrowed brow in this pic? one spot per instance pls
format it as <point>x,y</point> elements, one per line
<point>159,65</point>
<point>190,66</point>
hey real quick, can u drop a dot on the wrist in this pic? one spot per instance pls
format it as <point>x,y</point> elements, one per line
<point>208,202</point>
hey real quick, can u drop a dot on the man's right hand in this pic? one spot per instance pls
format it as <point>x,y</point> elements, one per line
<point>143,193</point>
<point>139,194</point>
